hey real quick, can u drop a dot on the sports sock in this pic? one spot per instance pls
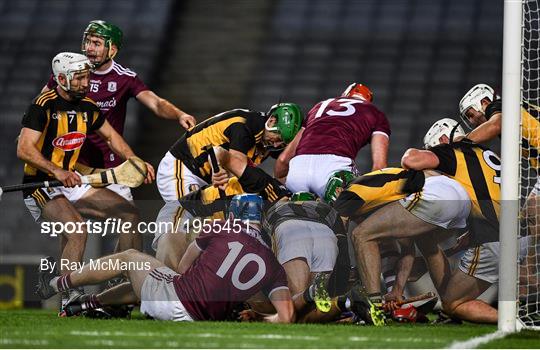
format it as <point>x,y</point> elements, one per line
<point>61,283</point>
<point>91,303</point>
<point>375,298</point>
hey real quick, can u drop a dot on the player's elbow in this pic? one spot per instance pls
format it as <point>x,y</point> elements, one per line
<point>408,161</point>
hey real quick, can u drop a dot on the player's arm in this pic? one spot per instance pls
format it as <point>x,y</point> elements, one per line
<point>281,168</point>
<point>119,146</point>
<point>164,109</point>
<point>379,151</point>
<point>419,159</point>
<point>192,253</point>
<point>403,271</point>
<point>487,131</point>
<point>282,301</point>
<point>27,151</point>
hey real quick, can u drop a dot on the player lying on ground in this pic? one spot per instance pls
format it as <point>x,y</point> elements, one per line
<point>55,127</point>
<point>335,131</point>
<point>219,270</point>
<point>248,134</point>
<point>477,169</point>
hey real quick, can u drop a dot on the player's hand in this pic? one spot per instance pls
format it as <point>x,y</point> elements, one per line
<point>150,175</point>
<point>220,179</point>
<point>187,121</point>
<point>391,301</point>
<point>248,316</point>
<point>67,178</point>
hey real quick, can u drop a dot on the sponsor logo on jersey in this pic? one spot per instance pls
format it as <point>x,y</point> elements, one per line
<point>70,141</point>
<point>106,105</point>
<point>111,87</point>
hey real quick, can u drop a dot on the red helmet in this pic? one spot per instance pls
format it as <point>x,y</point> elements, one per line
<point>360,91</point>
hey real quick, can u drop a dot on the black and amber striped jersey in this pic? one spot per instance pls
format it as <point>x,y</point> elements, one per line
<point>530,129</point>
<point>478,170</point>
<point>64,126</point>
<point>530,135</point>
<point>239,129</point>
<point>209,202</point>
<point>377,188</point>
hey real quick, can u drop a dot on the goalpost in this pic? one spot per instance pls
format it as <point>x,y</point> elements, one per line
<point>519,275</point>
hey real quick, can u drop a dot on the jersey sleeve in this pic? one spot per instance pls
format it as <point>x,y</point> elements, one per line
<point>277,280</point>
<point>255,180</point>
<point>382,126</point>
<point>137,86</point>
<point>447,158</point>
<point>204,240</point>
<point>35,118</point>
<point>98,119</point>
<point>240,137</point>
<point>51,84</point>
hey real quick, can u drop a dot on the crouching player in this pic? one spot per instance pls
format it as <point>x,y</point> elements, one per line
<point>219,270</point>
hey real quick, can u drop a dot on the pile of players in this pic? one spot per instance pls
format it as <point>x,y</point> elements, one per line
<point>277,247</point>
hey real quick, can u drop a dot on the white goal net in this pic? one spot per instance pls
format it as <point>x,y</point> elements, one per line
<point>529,262</point>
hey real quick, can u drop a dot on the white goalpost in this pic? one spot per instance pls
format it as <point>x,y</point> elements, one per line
<point>518,275</point>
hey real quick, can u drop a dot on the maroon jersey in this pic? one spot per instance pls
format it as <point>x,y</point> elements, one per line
<point>341,126</point>
<point>231,268</point>
<point>111,90</point>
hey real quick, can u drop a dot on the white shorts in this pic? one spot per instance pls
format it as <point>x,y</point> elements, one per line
<point>310,240</point>
<point>159,299</point>
<point>442,202</point>
<point>122,190</point>
<point>39,198</point>
<point>310,172</point>
<point>172,218</point>
<point>175,180</point>
<point>482,262</point>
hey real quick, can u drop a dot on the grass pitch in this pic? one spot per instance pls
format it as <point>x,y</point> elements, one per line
<point>42,329</point>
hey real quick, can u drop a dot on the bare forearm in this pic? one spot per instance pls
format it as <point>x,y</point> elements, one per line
<point>379,151</point>
<point>166,110</point>
<point>31,155</point>
<point>119,146</point>
<point>404,268</point>
<point>485,132</point>
<point>191,254</point>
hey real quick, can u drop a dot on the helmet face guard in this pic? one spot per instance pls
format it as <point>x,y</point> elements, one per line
<point>289,119</point>
<point>303,196</point>
<point>358,91</point>
<point>68,64</point>
<point>440,128</point>
<point>473,99</point>
<point>246,207</point>
<point>109,32</point>
<point>335,185</point>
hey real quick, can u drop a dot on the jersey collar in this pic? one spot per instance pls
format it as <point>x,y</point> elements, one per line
<point>105,71</point>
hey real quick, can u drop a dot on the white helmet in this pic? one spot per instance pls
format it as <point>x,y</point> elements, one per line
<point>441,128</point>
<point>473,98</point>
<point>69,63</point>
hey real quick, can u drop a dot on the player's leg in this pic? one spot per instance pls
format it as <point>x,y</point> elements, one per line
<point>132,263</point>
<point>102,203</point>
<point>171,239</point>
<point>391,221</point>
<point>459,300</point>
<point>436,261</point>
<point>478,270</point>
<point>61,210</point>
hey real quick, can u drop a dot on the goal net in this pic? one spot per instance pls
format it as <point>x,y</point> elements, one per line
<point>529,258</point>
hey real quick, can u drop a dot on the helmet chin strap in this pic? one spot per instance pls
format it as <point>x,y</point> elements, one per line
<point>454,131</point>
<point>109,57</point>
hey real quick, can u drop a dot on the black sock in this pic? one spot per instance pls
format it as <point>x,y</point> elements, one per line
<point>375,298</point>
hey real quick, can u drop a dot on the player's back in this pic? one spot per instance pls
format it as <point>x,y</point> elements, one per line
<point>341,126</point>
<point>232,267</point>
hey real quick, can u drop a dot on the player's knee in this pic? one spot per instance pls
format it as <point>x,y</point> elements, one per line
<point>449,307</point>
